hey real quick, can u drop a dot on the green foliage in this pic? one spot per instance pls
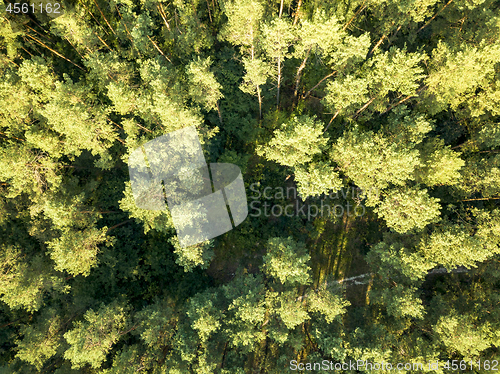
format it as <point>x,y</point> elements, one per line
<point>459,333</point>
<point>452,246</point>
<point>325,302</point>
<point>316,179</point>
<point>409,89</point>
<point>25,279</point>
<point>346,94</point>
<point>91,339</point>
<point>246,311</point>
<point>325,36</point>
<point>41,341</point>
<point>406,128</point>
<point>289,310</point>
<point>287,261</point>
<point>400,301</point>
<point>159,220</point>
<point>193,256</point>
<point>76,251</point>
<point>396,257</point>
<point>408,209</point>
<point>243,21</point>
<point>464,76</point>
<point>204,315</point>
<point>372,161</point>
<point>394,71</point>
<point>256,74</point>
<point>441,165</point>
<point>296,142</point>
<point>275,41</point>
<point>402,12</point>
<point>204,88</point>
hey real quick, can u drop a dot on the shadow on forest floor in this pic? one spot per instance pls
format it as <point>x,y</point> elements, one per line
<point>338,253</point>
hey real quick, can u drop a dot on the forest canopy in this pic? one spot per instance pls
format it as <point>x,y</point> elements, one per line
<point>381,116</point>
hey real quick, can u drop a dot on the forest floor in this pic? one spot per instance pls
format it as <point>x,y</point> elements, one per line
<point>337,253</point>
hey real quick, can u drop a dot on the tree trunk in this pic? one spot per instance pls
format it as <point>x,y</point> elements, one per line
<point>260,102</point>
<point>218,111</point>
<point>317,84</point>
<point>279,83</point>
<point>355,15</point>
<point>299,73</point>
<point>435,15</point>
<point>296,18</point>
<point>376,46</point>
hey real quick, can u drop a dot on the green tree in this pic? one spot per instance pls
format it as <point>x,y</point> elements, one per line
<point>296,142</point>
<point>286,261</point>
<point>397,98</point>
<point>276,39</point>
<point>91,339</point>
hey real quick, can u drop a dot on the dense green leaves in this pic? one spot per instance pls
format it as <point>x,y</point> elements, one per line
<point>296,142</point>
<point>286,261</point>
<point>90,340</point>
<point>389,106</point>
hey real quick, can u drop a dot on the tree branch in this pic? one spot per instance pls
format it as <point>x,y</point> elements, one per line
<point>321,81</point>
<point>102,14</point>
<point>403,100</point>
<point>13,137</point>
<point>435,15</point>
<point>334,116</point>
<point>219,111</point>
<point>381,40</point>
<point>355,15</point>
<point>55,52</point>
<point>118,225</point>
<point>99,23</point>
<point>158,49</point>
<point>484,198</point>
<point>163,15</point>
<point>364,107</point>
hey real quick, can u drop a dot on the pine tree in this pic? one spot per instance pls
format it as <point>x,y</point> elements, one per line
<point>397,98</point>
<point>296,142</point>
<point>90,340</point>
<point>276,39</point>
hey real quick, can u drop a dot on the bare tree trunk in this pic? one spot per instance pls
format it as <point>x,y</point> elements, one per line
<point>218,111</point>
<point>209,13</point>
<point>435,15</point>
<point>296,18</point>
<point>163,15</point>
<point>55,52</point>
<point>354,17</point>
<point>364,106</point>
<point>331,120</point>
<point>376,45</point>
<point>279,83</point>
<point>103,16</point>
<point>118,225</point>
<point>317,84</point>
<point>299,73</point>
<point>260,102</point>
<point>281,9</point>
